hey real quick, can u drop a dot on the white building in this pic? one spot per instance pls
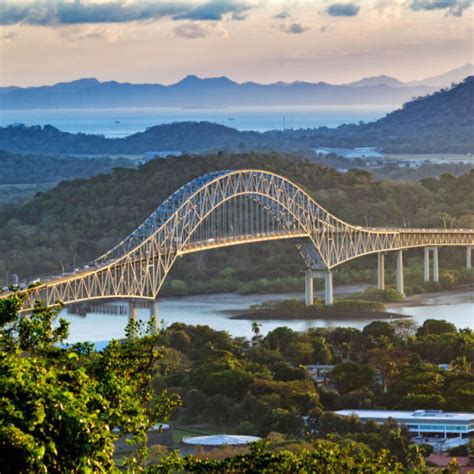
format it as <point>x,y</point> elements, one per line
<point>421,422</point>
<point>320,372</point>
<point>370,153</point>
<point>212,442</point>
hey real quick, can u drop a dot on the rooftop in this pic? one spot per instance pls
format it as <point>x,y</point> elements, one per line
<point>220,439</point>
<point>419,415</point>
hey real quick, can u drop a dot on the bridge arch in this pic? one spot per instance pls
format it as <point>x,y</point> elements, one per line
<point>139,264</point>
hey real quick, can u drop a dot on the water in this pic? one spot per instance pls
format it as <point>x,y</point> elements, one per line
<point>214,311</point>
<point>120,122</point>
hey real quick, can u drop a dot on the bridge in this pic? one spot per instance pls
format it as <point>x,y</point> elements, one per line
<point>229,208</point>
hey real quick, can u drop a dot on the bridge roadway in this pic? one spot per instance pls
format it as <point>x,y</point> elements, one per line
<point>232,208</point>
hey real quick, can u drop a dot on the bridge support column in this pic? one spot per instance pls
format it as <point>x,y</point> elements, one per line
<point>435,265</point>
<point>154,318</point>
<point>328,289</point>
<point>469,258</point>
<point>309,290</point>
<point>381,271</point>
<point>400,285</point>
<point>426,265</point>
<point>132,319</point>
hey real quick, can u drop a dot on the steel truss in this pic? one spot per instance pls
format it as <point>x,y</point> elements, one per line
<point>138,266</point>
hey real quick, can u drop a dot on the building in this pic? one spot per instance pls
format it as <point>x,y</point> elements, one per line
<point>320,372</point>
<point>361,153</point>
<point>214,442</point>
<point>422,422</point>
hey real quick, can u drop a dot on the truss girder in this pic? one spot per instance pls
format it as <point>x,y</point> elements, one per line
<point>138,266</point>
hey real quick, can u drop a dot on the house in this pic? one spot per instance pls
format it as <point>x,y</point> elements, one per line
<point>319,372</point>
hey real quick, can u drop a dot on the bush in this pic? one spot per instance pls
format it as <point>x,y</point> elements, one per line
<point>388,295</point>
<point>458,451</point>
<point>356,305</point>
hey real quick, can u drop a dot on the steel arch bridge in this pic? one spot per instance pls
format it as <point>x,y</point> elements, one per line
<point>222,209</point>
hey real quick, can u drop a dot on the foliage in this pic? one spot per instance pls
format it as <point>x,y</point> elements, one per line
<point>21,169</point>
<point>320,457</point>
<point>58,405</point>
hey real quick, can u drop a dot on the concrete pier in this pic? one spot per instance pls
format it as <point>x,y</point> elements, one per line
<point>132,318</point>
<point>328,288</point>
<point>426,265</point>
<point>469,257</point>
<point>381,271</point>
<point>400,285</point>
<point>435,265</point>
<point>154,320</point>
<point>309,290</point>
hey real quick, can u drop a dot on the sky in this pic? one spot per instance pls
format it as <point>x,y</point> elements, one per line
<point>47,41</point>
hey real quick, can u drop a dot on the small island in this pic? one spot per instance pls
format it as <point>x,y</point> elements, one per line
<point>367,305</point>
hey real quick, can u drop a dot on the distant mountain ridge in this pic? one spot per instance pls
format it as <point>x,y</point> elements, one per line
<point>193,91</point>
<point>440,122</point>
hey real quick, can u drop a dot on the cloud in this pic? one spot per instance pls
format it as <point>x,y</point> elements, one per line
<point>215,10</point>
<point>282,15</point>
<point>343,9</point>
<point>453,7</point>
<point>193,30</point>
<point>108,33</point>
<point>63,12</point>
<point>294,28</point>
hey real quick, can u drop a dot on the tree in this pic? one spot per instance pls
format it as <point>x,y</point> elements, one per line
<point>435,326</point>
<point>349,376</point>
<point>300,352</point>
<point>321,351</point>
<point>59,405</point>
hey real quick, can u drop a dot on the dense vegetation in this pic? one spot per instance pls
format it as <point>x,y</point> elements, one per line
<point>59,407</point>
<point>265,387</point>
<point>26,169</point>
<point>59,404</point>
<point>441,122</point>
<point>79,219</point>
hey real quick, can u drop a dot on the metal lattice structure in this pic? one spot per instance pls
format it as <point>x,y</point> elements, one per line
<point>223,209</point>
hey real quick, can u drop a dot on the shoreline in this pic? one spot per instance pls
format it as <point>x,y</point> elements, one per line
<point>318,315</point>
<point>418,299</point>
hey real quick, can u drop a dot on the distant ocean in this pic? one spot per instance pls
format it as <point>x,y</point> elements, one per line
<point>120,122</point>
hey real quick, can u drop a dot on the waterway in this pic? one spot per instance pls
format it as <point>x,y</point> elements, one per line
<point>120,122</point>
<point>214,311</point>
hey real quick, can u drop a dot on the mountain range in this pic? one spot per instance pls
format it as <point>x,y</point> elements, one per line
<point>440,122</point>
<point>193,91</point>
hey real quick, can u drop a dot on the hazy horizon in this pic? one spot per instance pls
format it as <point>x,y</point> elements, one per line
<point>74,79</point>
<point>46,42</point>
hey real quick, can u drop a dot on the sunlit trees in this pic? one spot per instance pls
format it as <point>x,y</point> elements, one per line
<point>59,405</point>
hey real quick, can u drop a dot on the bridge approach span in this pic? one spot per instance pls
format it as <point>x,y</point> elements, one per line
<point>223,209</point>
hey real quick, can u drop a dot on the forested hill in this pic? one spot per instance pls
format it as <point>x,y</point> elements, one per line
<point>441,122</point>
<point>80,219</point>
<point>25,169</point>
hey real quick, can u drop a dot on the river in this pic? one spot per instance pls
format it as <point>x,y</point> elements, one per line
<point>214,310</point>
